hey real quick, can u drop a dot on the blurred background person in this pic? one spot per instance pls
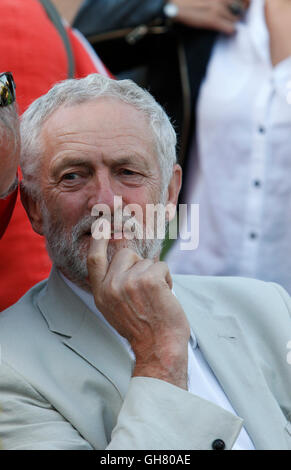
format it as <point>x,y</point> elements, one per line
<point>240,162</point>
<point>39,51</point>
<point>162,45</point>
<point>9,149</point>
<point>234,65</point>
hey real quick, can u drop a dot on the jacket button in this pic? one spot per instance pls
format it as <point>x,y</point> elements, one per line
<point>218,444</point>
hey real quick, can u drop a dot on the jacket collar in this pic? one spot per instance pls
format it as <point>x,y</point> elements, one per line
<point>83,332</point>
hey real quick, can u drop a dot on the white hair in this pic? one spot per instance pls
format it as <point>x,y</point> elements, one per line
<point>76,91</point>
<point>9,126</point>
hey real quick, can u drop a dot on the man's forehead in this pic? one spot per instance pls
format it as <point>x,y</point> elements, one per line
<point>104,123</point>
<point>95,114</point>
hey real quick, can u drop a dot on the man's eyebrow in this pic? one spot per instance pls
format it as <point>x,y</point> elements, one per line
<point>131,160</point>
<point>68,161</point>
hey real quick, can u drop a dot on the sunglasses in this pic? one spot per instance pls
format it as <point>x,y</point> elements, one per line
<point>7,89</point>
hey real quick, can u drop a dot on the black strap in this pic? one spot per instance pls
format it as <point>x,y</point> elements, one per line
<point>57,21</point>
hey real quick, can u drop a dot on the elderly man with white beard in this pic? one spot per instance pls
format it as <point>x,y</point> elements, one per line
<point>111,351</point>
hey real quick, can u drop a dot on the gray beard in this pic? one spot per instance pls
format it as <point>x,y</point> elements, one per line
<point>68,249</point>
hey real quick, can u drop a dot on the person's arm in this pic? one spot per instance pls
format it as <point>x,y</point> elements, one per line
<point>96,16</point>
<point>155,415</point>
<point>278,19</point>
<point>135,296</point>
<point>209,14</point>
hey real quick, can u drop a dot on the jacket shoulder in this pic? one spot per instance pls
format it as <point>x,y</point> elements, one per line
<point>242,296</point>
<point>19,322</point>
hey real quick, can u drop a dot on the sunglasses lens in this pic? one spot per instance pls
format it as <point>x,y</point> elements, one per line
<point>6,97</point>
<point>7,90</point>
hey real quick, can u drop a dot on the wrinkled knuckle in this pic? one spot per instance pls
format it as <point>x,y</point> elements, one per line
<point>130,287</point>
<point>148,281</point>
<point>132,279</point>
<point>93,259</point>
<point>114,289</point>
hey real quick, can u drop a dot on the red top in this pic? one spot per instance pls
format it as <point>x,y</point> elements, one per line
<point>32,49</point>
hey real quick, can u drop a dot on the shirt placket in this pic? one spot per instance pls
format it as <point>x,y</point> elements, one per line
<point>252,232</point>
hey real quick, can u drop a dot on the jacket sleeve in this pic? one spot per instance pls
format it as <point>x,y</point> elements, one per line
<point>169,418</point>
<point>97,16</point>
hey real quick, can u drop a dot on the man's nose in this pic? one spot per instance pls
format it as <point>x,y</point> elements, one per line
<point>101,192</point>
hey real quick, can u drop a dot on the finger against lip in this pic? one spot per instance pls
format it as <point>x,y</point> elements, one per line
<point>97,259</point>
<point>123,260</point>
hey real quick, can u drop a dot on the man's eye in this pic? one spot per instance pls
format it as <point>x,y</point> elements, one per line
<point>70,176</point>
<point>126,172</point>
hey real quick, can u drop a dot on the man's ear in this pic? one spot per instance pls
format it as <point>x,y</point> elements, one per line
<point>173,191</point>
<point>32,208</point>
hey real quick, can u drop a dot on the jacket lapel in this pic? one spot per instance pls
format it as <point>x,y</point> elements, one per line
<point>224,347</point>
<point>219,337</point>
<point>83,332</point>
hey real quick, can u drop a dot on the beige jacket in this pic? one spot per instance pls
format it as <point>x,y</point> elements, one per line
<point>65,379</point>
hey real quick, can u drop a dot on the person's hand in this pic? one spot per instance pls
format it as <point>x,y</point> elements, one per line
<point>211,14</point>
<point>134,295</point>
<point>278,19</point>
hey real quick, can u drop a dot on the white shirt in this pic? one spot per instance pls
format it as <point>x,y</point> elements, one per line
<point>243,179</point>
<point>201,380</point>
